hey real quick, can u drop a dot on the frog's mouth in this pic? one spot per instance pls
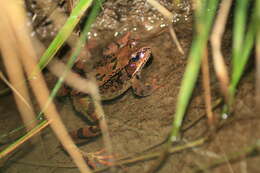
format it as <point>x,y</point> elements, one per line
<point>138,61</point>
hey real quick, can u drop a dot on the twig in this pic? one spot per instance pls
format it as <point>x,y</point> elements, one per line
<point>15,91</point>
<point>216,103</point>
<point>217,33</point>
<point>168,15</point>
<point>175,39</point>
<point>206,86</point>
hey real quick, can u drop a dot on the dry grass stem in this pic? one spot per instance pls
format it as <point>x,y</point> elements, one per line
<point>29,135</point>
<point>77,82</point>
<point>15,73</point>
<point>218,59</point>
<point>216,104</point>
<point>74,80</point>
<point>89,87</point>
<point>15,91</point>
<point>105,132</point>
<point>166,13</point>
<point>13,11</point>
<point>206,86</point>
<point>175,39</point>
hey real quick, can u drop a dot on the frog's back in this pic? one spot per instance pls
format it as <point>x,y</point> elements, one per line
<point>115,86</point>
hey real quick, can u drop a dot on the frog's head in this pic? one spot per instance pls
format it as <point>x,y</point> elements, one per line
<point>138,60</point>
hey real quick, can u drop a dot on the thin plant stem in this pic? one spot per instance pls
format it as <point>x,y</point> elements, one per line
<point>64,32</point>
<point>216,37</point>
<point>39,87</point>
<point>206,86</point>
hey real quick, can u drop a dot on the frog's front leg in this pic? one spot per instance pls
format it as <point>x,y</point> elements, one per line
<point>84,107</point>
<point>142,89</point>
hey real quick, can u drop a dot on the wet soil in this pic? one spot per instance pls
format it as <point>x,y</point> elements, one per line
<point>136,124</point>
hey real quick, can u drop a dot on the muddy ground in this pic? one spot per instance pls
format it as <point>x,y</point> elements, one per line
<point>136,124</point>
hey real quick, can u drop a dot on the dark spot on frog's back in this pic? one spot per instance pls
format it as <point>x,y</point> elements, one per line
<point>114,65</point>
<point>109,58</point>
<point>114,59</point>
<point>100,77</point>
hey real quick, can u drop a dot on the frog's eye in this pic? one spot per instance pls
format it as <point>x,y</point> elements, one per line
<point>135,58</point>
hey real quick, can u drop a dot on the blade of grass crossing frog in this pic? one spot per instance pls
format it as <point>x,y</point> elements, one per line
<point>83,37</point>
<point>64,32</point>
<point>93,14</point>
<point>86,29</point>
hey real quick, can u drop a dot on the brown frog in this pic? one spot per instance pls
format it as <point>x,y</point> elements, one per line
<point>119,70</point>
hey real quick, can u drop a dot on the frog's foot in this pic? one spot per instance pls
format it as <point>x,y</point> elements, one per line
<point>144,89</point>
<point>97,158</point>
<point>83,134</point>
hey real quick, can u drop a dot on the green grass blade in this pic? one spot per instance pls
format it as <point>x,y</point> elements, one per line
<point>64,32</point>
<point>204,21</point>
<point>9,148</point>
<point>243,58</point>
<point>82,40</point>
<point>239,28</point>
<point>242,45</point>
<point>93,14</point>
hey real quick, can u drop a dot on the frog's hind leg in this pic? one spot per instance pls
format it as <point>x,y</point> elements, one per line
<point>84,107</point>
<point>82,135</point>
